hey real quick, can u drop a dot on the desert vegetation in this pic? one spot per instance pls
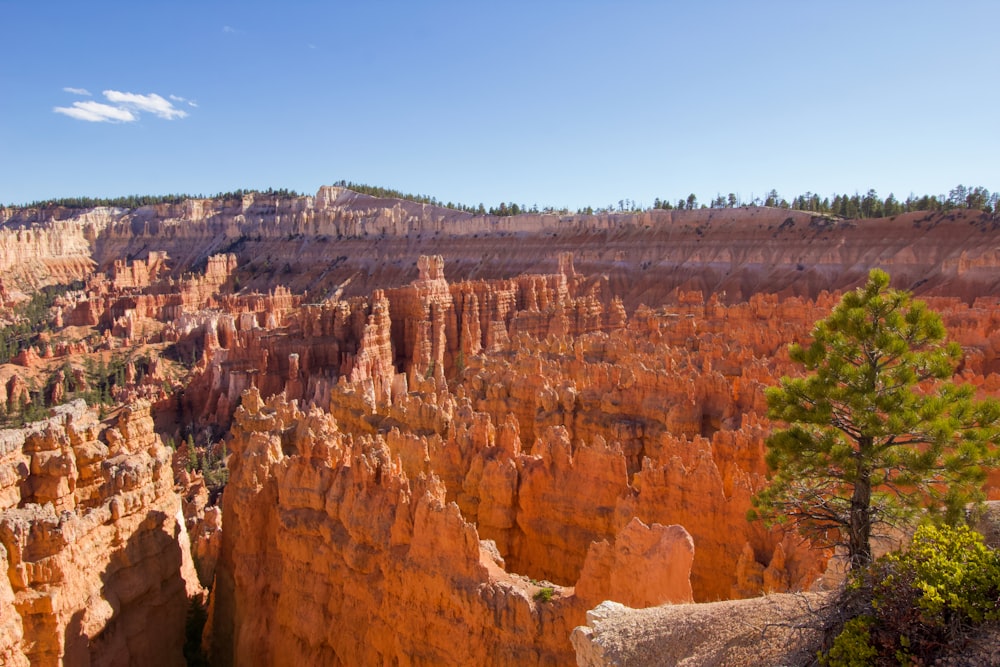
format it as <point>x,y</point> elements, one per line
<point>878,436</point>
<point>879,439</point>
<point>842,205</point>
<point>910,606</point>
<point>136,201</point>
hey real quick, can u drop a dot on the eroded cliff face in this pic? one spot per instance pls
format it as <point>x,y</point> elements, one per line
<point>426,466</point>
<point>333,555</point>
<point>337,558</point>
<point>52,251</point>
<point>96,563</point>
<point>552,437</point>
<point>341,242</point>
<point>407,501</point>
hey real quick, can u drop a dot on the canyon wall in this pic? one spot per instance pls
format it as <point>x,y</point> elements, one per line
<point>564,443</point>
<point>449,435</point>
<point>97,567</point>
<point>332,555</point>
<point>428,410</point>
<point>51,252</point>
<point>341,242</point>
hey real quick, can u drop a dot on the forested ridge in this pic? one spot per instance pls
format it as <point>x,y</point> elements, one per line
<point>136,201</point>
<point>869,205</point>
<point>843,205</point>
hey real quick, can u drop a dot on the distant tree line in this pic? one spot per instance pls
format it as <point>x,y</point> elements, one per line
<point>505,208</point>
<point>270,192</point>
<point>502,209</point>
<point>136,201</point>
<point>129,201</point>
<point>869,205</point>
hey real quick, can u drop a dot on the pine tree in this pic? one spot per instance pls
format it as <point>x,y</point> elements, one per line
<point>876,431</point>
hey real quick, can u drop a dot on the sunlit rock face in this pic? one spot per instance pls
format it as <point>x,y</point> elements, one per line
<point>611,456</point>
<point>332,554</point>
<point>93,544</point>
<point>343,242</point>
<point>449,436</point>
<point>486,441</point>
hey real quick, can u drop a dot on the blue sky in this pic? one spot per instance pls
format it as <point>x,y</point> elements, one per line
<point>564,103</point>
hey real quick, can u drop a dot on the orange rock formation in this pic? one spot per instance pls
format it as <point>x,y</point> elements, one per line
<point>425,471</point>
<point>332,554</point>
<point>92,544</point>
<point>565,444</point>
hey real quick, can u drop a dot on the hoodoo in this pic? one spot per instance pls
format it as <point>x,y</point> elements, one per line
<point>349,430</point>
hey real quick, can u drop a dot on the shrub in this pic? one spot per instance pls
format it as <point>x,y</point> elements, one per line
<point>919,601</point>
<point>853,646</point>
<point>958,576</point>
<point>545,594</point>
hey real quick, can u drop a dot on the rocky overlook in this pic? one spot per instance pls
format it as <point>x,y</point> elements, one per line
<point>447,437</point>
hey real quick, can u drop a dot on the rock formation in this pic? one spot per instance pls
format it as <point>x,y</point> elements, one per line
<point>332,554</point>
<point>781,629</point>
<point>94,550</point>
<point>341,242</point>
<point>770,631</point>
<point>567,445</point>
<point>448,436</point>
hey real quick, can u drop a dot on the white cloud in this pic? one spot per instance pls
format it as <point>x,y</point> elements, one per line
<point>183,100</point>
<point>95,112</point>
<point>229,29</point>
<point>123,107</point>
<point>151,103</point>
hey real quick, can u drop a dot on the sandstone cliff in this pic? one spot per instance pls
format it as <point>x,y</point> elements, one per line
<point>429,466</point>
<point>339,241</point>
<point>333,555</point>
<point>94,549</point>
<point>564,438</point>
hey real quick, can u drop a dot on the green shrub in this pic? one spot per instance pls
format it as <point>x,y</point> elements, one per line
<point>545,594</point>
<point>957,575</point>
<point>853,646</point>
<point>915,603</point>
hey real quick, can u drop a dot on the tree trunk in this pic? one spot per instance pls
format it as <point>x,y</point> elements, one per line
<point>860,528</point>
